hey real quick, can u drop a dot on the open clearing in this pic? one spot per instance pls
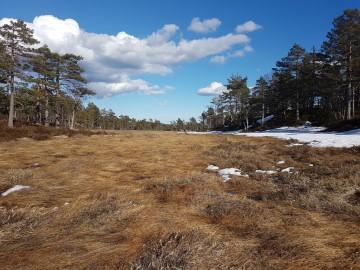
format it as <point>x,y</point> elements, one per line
<point>145,200</point>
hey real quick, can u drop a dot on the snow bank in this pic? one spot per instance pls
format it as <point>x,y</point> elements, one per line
<point>13,189</point>
<point>305,135</point>
<point>312,136</point>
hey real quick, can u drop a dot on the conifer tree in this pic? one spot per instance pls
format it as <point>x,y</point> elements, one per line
<point>343,49</point>
<point>17,38</point>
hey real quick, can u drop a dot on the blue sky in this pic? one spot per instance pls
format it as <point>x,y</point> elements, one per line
<point>172,93</point>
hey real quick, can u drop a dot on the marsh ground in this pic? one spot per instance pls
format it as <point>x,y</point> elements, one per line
<point>144,200</point>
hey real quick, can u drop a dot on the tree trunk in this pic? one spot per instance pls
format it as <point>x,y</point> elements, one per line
<point>38,111</point>
<point>353,103</point>
<point>57,109</point>
<point>349,99</point>
<point>11,111</point>
<point>12,92</point>
<point>12,102</point>
<point>297,111</point>
<point>46,108</point>
<point>297,95</point>
<point>72,124</point>
<point>263,111</point>
<point>297,103</point>
<point>349,92</point>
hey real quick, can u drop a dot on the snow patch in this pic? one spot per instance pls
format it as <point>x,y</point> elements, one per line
<point>311,136</point>
<point>212,168</point>
<point>14,189</point>
<point>280,162</point>
<point>288,170</point>
<point>225,173</point>
<point>266,171</point>
<point>294,144</point>
<point>305,134</point>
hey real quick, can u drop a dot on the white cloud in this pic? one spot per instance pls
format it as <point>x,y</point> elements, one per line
<point>115,63</point>
<point>205,26</point>
<point>243,51</point>
<point>104,89</point>
<point>163,35</point>
<point>247,27</point>
<point>214,89</point>
<point>221,59</point>
<point>218,59</point>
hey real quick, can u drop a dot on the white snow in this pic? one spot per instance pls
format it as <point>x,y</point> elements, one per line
<point>266,119</point>
<point>226,177</point>
<point>225,173</point>
<point>266,172</point>
<point>288,170</point>
<point>212,168</point>
<point>311,165</point>
<point>280,162</point>
<point>305,134</point>
<point>13,189</point>
<point>294,144</point>
<point>312,136</point>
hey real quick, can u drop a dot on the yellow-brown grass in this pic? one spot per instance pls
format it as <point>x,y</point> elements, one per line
<point>144,200</point>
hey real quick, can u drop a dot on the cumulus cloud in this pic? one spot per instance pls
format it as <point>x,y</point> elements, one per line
<point>104,89</point>
<point>115,63</point>
<point>218,59</point>
<point>247,27</point>
<point>214,89</point>
<point>205,26</point>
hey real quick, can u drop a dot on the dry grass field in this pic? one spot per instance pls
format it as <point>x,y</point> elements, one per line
<point>144,200</point>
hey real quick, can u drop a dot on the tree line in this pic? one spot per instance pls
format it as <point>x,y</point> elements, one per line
<point>321,86</point>
<point>38,86</point>
<point>47,88</point>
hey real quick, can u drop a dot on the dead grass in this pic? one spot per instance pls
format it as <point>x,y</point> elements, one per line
<point>144,200</point>
<point>170,252</point>
<point>39,132</point>
<point>323,187</point>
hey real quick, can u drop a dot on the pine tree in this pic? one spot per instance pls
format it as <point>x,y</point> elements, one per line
<point>239,93</point>
<point>74,82</point>
<point>17,39</point>
<point>260,91</point>
<point>343,50</point>
<point>43,65</point>
<point>292,64</point>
